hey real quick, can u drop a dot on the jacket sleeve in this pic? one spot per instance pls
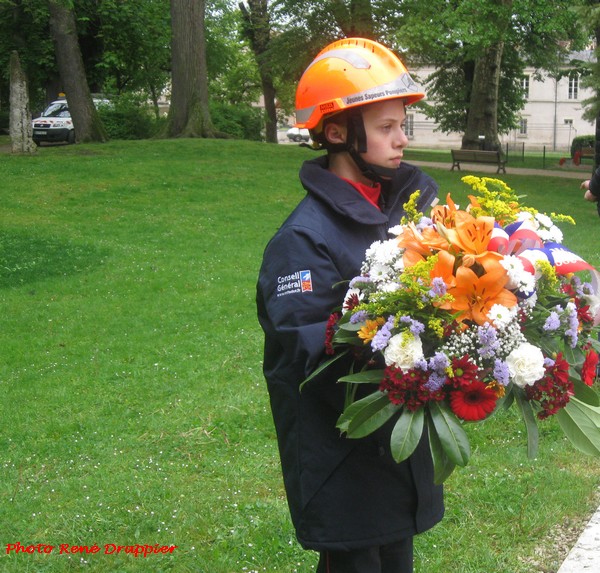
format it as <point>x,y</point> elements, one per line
<point>295,298</point>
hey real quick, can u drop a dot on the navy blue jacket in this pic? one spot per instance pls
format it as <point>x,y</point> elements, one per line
<point>342,493</point>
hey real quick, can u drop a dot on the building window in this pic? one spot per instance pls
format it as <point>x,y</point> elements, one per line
<point>523,126</point>
<point>525,86</point>
<point>409,126</point>
<point>573,86</point>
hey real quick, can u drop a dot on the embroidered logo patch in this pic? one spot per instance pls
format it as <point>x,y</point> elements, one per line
<point>306,281</point>
<point>298,282</point>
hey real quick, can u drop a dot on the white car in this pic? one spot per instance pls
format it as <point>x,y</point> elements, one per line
<point>298,135</point>
<point>55,123</point>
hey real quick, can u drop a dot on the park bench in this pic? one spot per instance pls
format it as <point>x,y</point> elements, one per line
<point>476,156</point>
<point>587,153</point>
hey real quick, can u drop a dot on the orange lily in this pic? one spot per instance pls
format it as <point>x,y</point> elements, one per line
<point>474,296</point>
<point>444,269</point>
<point>471,236</point>
<point>444,214</point>
<point>412,241</point>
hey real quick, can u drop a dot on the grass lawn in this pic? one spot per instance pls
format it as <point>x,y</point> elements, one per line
<point>134,410</point>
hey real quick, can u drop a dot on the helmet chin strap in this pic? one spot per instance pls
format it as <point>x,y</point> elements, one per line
<point>356,132</point>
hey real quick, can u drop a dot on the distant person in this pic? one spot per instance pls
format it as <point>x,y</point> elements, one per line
<point>349,500</point>
<point>592,189</point>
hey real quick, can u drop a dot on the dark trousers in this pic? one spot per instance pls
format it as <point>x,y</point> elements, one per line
<point>393,558</point>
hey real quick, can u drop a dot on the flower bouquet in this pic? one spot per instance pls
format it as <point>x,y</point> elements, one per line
<point>462,314</point>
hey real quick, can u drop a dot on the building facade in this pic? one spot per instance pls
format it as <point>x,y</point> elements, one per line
<point>551,118</point>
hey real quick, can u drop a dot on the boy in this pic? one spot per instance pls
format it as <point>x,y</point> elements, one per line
<point>348,499</point>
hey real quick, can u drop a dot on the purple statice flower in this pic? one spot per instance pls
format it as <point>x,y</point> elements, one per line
<point>421,364</point>
<point>414,326</point>
<point>360,279</point>
<point>501,372</point>
<point>437,365</point>
<point>438,287</point>
<point>548,362</point>
<point>383,335</point>
<point>552,322</point>
<point>424,223</point>
<point>573,322</point>
<point>586,289</point>
<point>488,340</point>
<point>435,381</point>
<point>359,316</point>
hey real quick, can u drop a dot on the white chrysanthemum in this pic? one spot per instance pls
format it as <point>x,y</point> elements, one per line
<point>403,350</point>
<point>501,316</point>
<point>552,234</point>
<point>380,272</point>
<point>594,301</point>
<point>396,230</point>
<point>518,277</point>
<point>525,364</point>
<point>384,252</point>
<point>544,220</point>
<point>388,286</point>
<point>525,216</point>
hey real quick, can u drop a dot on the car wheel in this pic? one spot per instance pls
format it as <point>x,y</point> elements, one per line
<point>297,138</point>
<point>71,137</point>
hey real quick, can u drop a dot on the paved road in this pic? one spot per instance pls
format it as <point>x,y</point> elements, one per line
<point>467,168</point>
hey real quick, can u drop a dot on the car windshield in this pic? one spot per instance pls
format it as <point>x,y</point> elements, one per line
<point>58,109</point>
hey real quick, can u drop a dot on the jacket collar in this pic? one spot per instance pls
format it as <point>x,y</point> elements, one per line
<point>342,198</point>
<point>338,194</point>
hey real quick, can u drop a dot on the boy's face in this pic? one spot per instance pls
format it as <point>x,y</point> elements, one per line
<point>386,140</point>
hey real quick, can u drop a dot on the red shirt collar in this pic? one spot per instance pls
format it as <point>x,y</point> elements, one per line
<point>370,193</point>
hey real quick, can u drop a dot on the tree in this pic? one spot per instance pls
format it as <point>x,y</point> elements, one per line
<point>189,114</point>
<point>87,123</point>
<point>257,29</point>
<point>20,117</point>
<point>589,15</point>
<point>465,40</point>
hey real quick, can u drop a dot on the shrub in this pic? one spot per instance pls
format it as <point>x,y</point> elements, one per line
<point>238,121</point>
<point>128,118</point>
<point>580,142</point>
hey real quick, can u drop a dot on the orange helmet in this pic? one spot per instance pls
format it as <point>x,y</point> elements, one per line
<point>350,73</point>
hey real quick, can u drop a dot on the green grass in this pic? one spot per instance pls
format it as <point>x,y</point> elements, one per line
<point>134,409</point>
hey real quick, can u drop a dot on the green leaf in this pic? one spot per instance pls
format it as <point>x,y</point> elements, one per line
<point>508,399</point>
<point>530,423</point>
<point>442,465</point>
<point>574,356</point>
<point>453,438</point>
<point>364,377</point>
<point>346,337</point>
<point>350,326</point>
<point>323,366</point>
<point>365,415</point>
<point>585,393</point>
<point>406,434</point>
<point>581,424</point>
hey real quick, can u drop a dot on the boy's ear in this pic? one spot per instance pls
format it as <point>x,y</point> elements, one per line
<point>334,132</point>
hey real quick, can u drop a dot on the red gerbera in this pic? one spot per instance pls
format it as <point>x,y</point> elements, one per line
<point>464,372</point>
<point>473,402</point>
<point>588,370</point>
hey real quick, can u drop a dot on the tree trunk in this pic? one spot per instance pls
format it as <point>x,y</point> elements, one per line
<point>257,28</point>
<point>87,123</point>
<point>20,117</point>
<point>482,116</point>
<point>189,114</point>
<point>355,19</point>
